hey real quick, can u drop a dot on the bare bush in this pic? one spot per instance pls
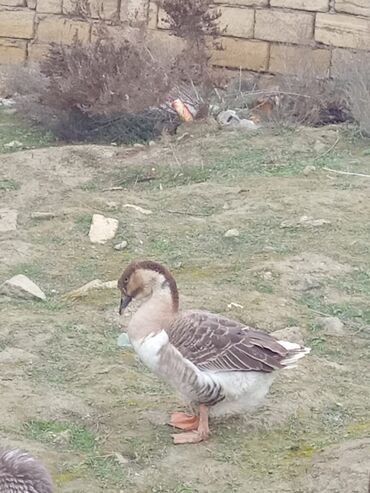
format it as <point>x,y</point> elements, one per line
<point>355,75</point>
<point>96,90</point>
<point>303,98</point>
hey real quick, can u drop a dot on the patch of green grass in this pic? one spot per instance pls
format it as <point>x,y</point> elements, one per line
<point>33,271</point>
<point>8,185</point>
<point>354,312</point>
<point>74,436</point>
<point>14,128</point>
<point>107,470</point>
<point>83,223</point>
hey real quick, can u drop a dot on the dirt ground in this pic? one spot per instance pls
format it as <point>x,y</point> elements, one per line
<point>88,408</point>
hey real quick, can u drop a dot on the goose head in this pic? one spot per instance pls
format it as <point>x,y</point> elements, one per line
<point>143,278</point>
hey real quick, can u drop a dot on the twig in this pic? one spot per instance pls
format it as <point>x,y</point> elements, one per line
<point>113,189</point>
<point>184,213</point>
<point>346,173</point>
<point>327,151</point>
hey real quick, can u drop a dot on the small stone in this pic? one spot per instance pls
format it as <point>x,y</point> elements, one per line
<point>102,229</point>
<point>8,220</point>
<point>308,170</point>
<point>228,117</point>
<point>21,286</point>
<point>13,144</point>
<point>332,326</point>
<point>151,143</point>
<point>267,276</point>
<point>122,461</point>
<point>123,340</point>
<point>319,146</point>
<point>226,206</point>
<point>247,124</point>
<point>121,246</point>
<point>232,305</point>
<point>232,233</point>
<point>310,221</point>
<point>43,215</point>
<point>291,334</point>
<point>138,145</point>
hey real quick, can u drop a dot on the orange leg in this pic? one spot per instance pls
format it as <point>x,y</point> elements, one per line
<point>184,421</point>
<point>198,435</point>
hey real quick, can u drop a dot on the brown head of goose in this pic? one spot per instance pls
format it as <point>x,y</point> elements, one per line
<point>218,365</point>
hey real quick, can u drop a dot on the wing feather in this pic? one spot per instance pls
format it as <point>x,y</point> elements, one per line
<point>215,343</point>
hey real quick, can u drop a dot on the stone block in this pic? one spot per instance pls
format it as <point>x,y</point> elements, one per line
<point>12,51</point>
<point>237,22</point>
<point>245,3</point>
<point>61,30</point>
<point>13,3</point>
<point>357,7</point>
<point>284,26</point>
<point>244,54</point>
<point>343,31</point>
<point>312,5</point>
<point>97,9</point>
<point>16,23</point>
<point>134,11</point>
<point>49,6</point>
<point>299,59</point>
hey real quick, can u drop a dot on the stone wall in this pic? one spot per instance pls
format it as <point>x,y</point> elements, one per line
<point>276,36</point>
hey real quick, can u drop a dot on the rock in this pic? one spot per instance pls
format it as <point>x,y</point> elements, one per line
<point>122,461</point>
<point>319,146</point>
<point>232,233</point>
<point>43,215</point>
<point>121,246</point>
<point>21,286</point>
<point>309,221</point>
<point>308,170</point>
<point>139,209</point>
<point>13,144</point>
<point>123,340</point>
<point>267,276</point>
<point>151,143</point>
<point>138,145</point>
<point>102,229</point>
<point>8,220</point>
<point>14,356</point>
<point>230,118</point>
<point>234,305</point>
<point>247,124</point>
<point>90,286</point>
<point>332,326</point>
<point>304,221</point>
<point>290,334</point>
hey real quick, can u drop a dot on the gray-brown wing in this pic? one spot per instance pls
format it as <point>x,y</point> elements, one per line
<point>216,343</point>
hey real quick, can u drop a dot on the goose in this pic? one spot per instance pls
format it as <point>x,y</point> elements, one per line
<point>219,366</point>
<point>21,473</point>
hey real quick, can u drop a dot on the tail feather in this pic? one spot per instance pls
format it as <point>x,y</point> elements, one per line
<point>296,352</point>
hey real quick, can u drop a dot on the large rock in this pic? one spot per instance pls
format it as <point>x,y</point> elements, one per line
<point>102,229</point>
<point>21,286</point>
<point>8,220</point>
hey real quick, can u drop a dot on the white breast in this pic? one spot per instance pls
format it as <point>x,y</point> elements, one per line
<point>149,347</point>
